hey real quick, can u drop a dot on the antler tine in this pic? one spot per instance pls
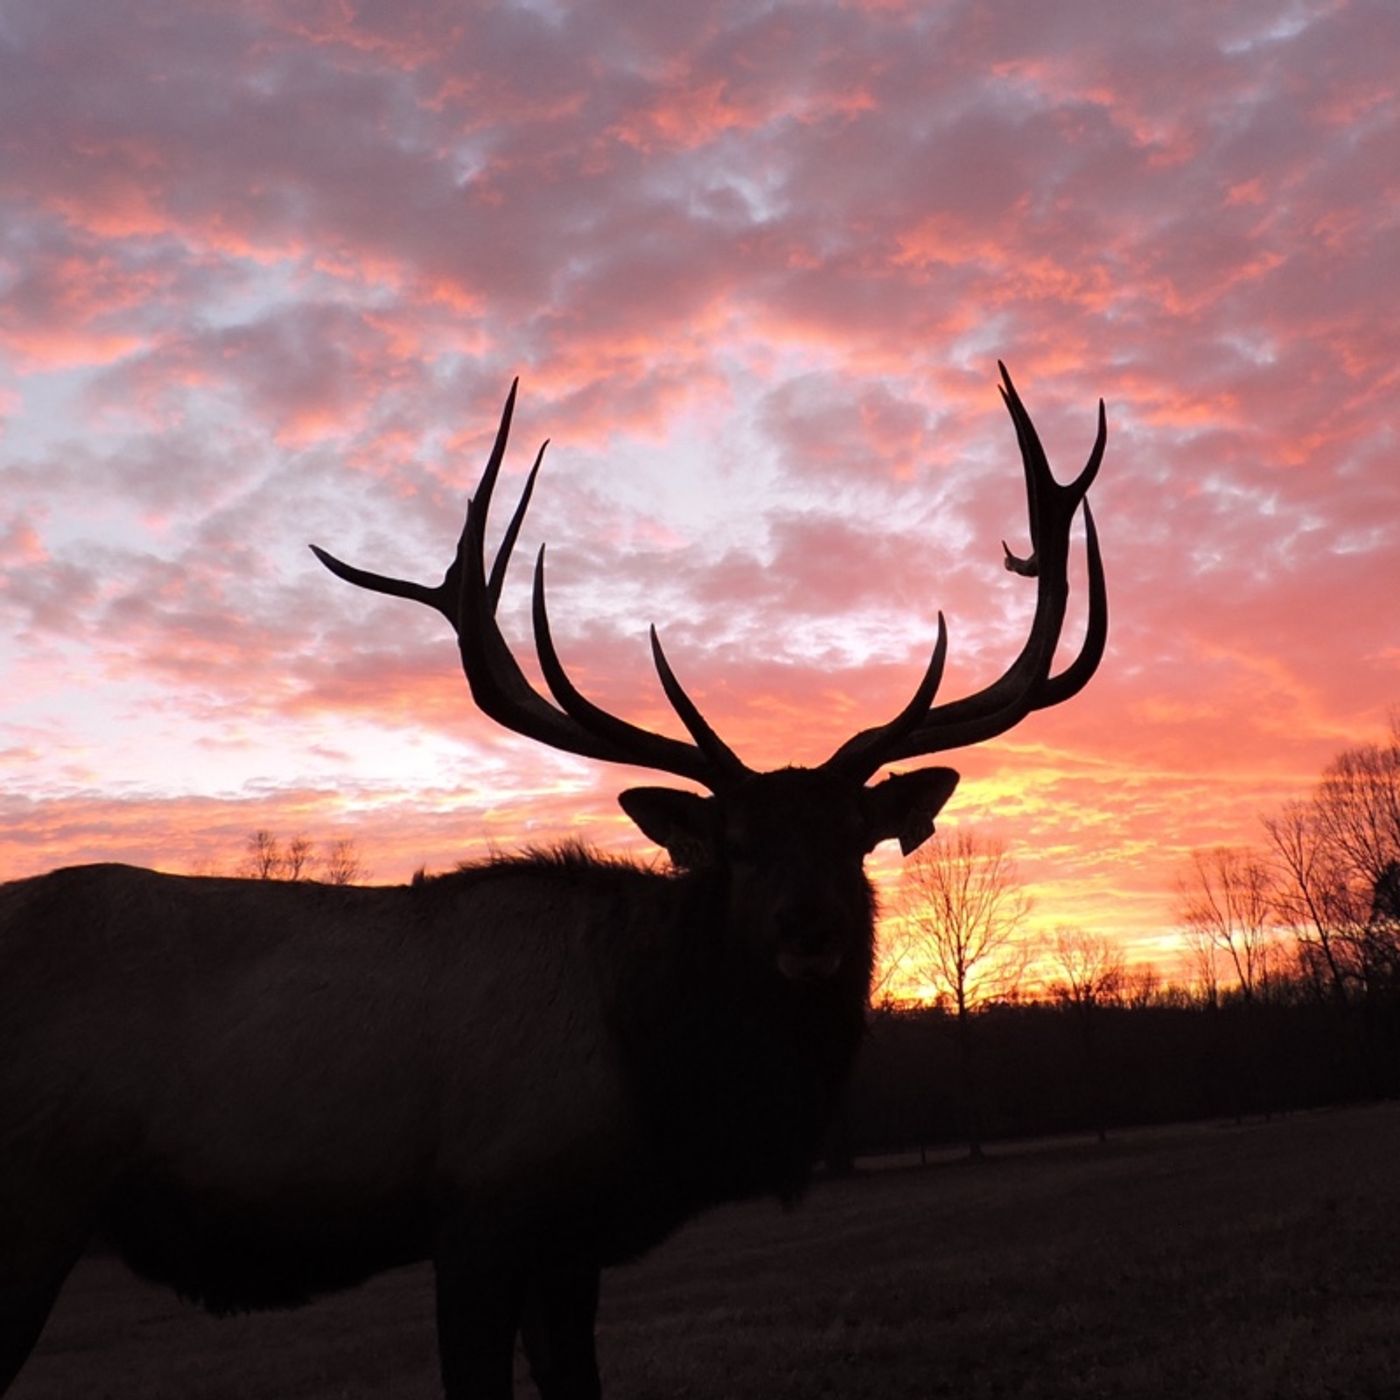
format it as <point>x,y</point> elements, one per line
<point>381,583</point>
<point>853,754</point>
<point>715,749</point>
<point>1039,478</point>
<point>502,560</point>
<point>710,764</point>
<point>1076,675</point>
<point>445,597</point>
<point>958,725</point>
<point>468,597</point>
<point>494,677</point>
<point>1027,684</point>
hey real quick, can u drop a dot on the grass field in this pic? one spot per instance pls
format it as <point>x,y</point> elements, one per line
<point>1238,1262</point>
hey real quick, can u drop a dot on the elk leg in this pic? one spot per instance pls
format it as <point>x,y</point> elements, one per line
<point>478,1312</point>
<point>560,1307</point>
<point>22,1318</point>
<point>32,1270</point>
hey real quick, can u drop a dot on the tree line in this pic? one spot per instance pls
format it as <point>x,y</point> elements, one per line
<point>266,856</point>
<point>1293,999</point>
<point>1319,902</point>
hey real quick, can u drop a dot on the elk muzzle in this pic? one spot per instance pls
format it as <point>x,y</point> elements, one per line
<point>810,947</point>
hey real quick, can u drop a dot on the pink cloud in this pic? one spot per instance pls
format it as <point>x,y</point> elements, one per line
<point>20,543</point>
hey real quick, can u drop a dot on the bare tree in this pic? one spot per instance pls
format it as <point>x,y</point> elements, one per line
<point>263,857</point>
<point>1141,986</point>
<point>1357,812</point>
<point>342,865</point>
<point>964,907</point>
<point>266,858</point>
<point>1312,898</point>
<point>1358,807</point>
<point>1336,854</point>
<point>1226,907</point>
<point>1091,971</point>
<point>299,858</point>
<point>1203,957</point>
<point>1385,898</point>
<point>1091,967</point>
<point>892,952</point>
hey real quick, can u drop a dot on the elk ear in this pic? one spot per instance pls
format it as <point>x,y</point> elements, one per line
<point>904,806</point>
<point>682,822</point>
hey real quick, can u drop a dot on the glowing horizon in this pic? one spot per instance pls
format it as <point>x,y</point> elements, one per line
<point>268,270</point>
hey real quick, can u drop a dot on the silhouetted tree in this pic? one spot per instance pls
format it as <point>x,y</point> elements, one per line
<point>1140,986</point>
<point>1090,971</point>
<point>298,858</point>
<point>1357,806</point>
<point>263,857</point>
<point>267,858</point>
<point>963,909</point>
<point>1203,957</point>
<point>1226,905</point>
<point>342,865</point>
<point>1337,854</point>
<point>1312,899</point>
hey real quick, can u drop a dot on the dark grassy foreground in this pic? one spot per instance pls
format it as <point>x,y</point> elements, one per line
<point>1261,1261</point>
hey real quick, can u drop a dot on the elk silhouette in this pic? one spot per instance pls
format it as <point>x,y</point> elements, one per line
<point>523,1070</point>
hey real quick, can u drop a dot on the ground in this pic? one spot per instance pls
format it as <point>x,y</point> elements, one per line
<point>1242,1262</point>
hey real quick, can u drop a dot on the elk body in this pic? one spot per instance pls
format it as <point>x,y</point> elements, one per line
<point>524,1070</point>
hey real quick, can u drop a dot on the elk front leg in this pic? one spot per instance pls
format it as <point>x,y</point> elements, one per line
<point>560,1307</point>
<point>37,1249</point>
<point>478,1314</point>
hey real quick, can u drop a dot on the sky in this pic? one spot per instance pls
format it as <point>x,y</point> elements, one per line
<point>267,270</point>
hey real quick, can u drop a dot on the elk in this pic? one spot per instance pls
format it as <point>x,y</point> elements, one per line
<point>523,1070</point>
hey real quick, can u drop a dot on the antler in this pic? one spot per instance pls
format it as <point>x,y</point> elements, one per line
<point>1027,683</point>
<point>467,597</point>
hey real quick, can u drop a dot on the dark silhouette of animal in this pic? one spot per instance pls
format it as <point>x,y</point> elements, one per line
<point>522,1071</point>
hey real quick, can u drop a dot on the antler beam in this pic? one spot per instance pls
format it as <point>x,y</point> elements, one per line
<point>468,597</point>
<point>1027,684</point>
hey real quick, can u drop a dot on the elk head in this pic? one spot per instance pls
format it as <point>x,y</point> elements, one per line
<point>790,842</point>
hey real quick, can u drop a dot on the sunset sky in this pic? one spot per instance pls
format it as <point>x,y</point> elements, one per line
<point>268,268</point>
